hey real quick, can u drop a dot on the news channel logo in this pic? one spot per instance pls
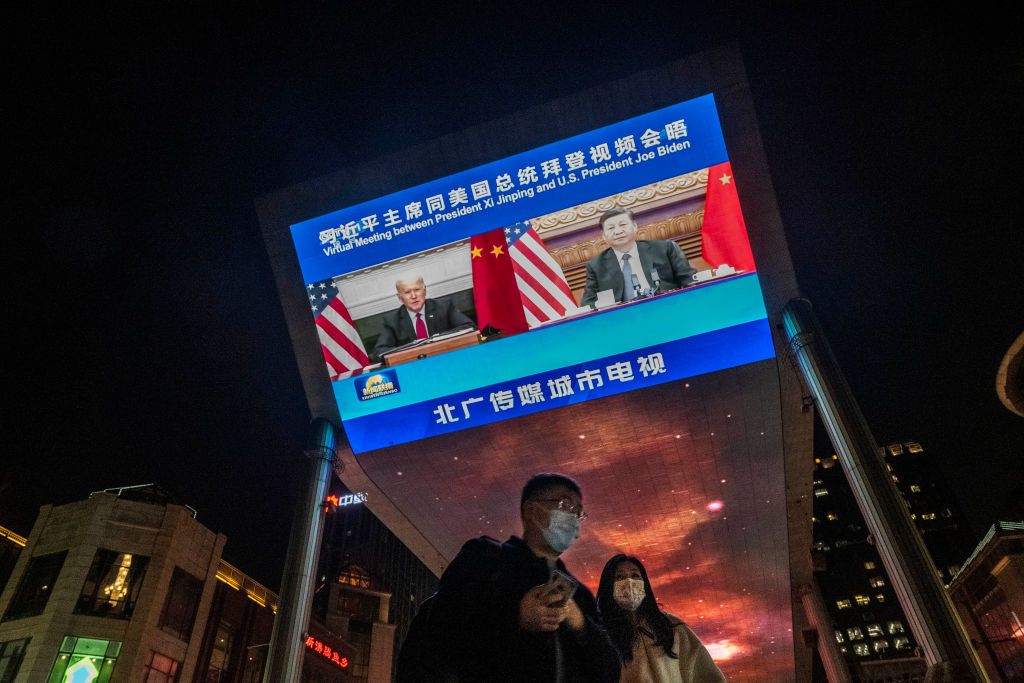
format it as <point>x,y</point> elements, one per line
<point>381,383</point>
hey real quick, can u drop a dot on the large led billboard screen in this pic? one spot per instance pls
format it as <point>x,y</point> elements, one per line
<point>552,277</point>
<point>590,287</point>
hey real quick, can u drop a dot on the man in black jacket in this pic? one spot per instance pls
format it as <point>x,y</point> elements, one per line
<point>651,265</point>
<point>417,318</point>
<point>498,615</point>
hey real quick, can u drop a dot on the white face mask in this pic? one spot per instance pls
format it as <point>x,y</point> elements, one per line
<point>629,593</point>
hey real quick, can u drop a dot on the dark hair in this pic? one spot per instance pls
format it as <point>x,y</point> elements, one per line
<point>617,211</point>
<point>547,480</point>
<point>616,620</point>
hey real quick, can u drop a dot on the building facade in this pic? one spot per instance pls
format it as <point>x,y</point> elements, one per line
<point>128,586</point>
<point>364,560</point>
<point>989,592</point>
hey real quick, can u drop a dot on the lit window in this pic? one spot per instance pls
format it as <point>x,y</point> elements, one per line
<point>814,519</point>
<point>875,630</point>
<point>220,658</point>
<point>89,659</point>
<point>817,461</point>
<point>914,488</point>
<point>35,586</point>
<point>895,449</point>
<point>839,637</point>
<point>913,515</point>
<point>854,633</point>
<point>160,669</point>
<point>861,649</point>
<point>818,493</point>
<point>843,604</point>
<point>902,643</point>
<point>928,516</point>
<point>880,646</point>
<point>895,627</point>
<point>112,585</point>
<point>869,565</point>
<point>880,597</point>
<point>895,479</point>
<point>828,464</point>
<point>914,447</point>
<point>832,516</point>
<point>862,599</point>
<point>11,654</point>
<point>353,575</point>
<point>835,457</point>
<point>818,482</point>
<point>876,581</point>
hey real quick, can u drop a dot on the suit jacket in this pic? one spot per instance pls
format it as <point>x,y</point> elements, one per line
<point>603,271</point>
<point>439,314</point>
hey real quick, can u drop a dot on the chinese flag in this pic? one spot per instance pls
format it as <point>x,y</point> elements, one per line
<point>495,291</point>
<point>724,234</point>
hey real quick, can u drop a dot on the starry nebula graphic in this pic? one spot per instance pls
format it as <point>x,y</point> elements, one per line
<point>688,476</point>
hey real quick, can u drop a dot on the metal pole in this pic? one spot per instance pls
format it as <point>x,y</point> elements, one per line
<point>933,619</point>
<point>284,660</point>
<point>836,668</point>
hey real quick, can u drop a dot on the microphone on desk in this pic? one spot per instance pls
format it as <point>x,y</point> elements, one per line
<point>655,280</point>
<point>637,291</point>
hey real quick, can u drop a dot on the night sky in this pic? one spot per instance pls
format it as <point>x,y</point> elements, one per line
<point>146,340</point>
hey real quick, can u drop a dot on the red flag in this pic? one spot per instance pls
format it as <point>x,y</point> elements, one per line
<point>495,292</point>
<point>724,233</point>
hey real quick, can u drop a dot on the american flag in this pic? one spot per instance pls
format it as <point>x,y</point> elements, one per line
<point>342,348</point>
<point>542,287</point>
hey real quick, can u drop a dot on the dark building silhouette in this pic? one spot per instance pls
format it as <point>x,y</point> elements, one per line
<point>989,592</point>
<point>361,561</point>
<point>869,625</point>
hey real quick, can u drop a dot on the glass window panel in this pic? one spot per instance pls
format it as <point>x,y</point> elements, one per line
<point>179,611</point>
<point>112,585</point>
<point>11,654</point>
<point>78,661</point>
<point>220,658</point>
<point>160,669</point>
<point>36,585</point>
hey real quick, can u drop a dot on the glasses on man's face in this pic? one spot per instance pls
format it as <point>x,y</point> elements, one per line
<point>565,505</point>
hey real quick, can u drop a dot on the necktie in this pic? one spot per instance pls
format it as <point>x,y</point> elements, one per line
<point>421,327</point>
<point>627,278</point>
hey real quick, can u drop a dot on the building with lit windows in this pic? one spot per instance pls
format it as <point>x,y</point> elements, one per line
<point>127,586</point>
<point>868,623</point>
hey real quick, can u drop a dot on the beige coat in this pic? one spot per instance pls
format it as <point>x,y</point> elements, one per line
<point>652,665</point>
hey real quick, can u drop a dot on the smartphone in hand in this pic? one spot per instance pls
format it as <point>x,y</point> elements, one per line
<point>562,585</point>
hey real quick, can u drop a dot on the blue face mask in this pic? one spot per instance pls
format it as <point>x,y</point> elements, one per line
<point>562,530</point>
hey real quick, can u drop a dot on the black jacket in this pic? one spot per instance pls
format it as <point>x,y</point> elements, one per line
<point>476,622</point>
<point>603,271</point>
<point>439,315</point>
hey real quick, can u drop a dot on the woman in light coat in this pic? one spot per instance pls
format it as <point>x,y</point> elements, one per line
<point>656,647</point>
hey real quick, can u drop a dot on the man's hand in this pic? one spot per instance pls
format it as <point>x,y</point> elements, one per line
<point>540,610</point>
<point>573,616</point>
